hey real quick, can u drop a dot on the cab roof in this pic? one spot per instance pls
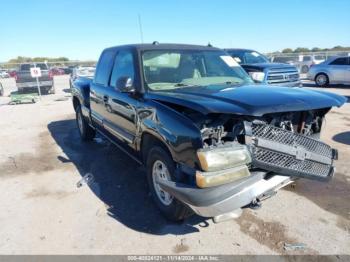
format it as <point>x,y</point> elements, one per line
<point>158,46</point>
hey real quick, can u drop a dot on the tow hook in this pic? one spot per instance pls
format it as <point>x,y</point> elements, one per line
<point>255,204</point>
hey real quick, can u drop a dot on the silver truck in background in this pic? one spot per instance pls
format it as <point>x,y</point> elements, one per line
<point>26,83</point>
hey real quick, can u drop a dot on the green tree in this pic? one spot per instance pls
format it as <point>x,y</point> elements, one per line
<point>287,50</point>
<point>301,49</point>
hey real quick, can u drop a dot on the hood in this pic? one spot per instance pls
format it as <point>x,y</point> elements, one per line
<point>253,100</point>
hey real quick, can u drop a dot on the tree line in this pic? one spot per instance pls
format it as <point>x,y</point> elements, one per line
<point>24,59</point>
<point>315,49</point>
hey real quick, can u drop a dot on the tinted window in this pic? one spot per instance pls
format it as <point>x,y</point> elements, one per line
<point>248,57</point>
<point>25,67</point>
<point>306,58</point>
<point>340,61</point>
<point>123,67</point>
<point>104,67</point>
<point>42,66</point>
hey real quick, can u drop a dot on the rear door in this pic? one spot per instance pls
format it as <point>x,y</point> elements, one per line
<point>339,69</point>
<point>99,87</point>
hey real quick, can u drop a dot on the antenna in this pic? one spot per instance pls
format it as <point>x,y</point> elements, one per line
<point>140,27</point>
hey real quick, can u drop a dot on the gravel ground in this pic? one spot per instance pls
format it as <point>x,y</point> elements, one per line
<point>43,212</point>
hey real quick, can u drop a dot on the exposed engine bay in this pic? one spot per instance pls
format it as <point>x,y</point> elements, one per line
<point>220,128</point>
<point>284,143</point>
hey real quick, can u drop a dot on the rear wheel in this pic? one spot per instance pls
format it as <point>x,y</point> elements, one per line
<point>322,80</point>
<point>304,69</point>
<point>87,133</point>
<point>160,166</point>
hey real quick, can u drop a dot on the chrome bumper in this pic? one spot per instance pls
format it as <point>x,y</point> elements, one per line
<point>220,200</point>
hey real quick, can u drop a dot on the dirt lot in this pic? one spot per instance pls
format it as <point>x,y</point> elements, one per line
<point>43,212</point>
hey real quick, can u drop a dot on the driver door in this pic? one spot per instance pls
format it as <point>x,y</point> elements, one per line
<point>120,108</point>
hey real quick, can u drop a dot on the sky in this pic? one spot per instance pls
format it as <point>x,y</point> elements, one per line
<point>81,29</point>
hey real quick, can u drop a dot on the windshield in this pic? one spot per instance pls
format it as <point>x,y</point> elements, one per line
<point>172,69</point>
<point>248,57</point>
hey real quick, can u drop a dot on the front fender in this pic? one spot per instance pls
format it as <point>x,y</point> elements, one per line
<point>81,90</point>
<point>176,131</point>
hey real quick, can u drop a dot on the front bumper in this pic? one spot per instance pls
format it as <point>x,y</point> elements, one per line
<point>224,199</point>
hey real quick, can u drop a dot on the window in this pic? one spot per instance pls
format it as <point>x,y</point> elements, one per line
<point>307,58</point>
<point>340,61</point>
<point>123,67</point>
<point>174,69</point>
<point>104,67</point>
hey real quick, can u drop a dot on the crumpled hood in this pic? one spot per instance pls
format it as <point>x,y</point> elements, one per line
<point>254,100</point>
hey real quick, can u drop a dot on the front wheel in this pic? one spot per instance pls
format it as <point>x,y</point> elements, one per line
<point>322,80</point>
<point>160,166</point>
<point>87,133</point>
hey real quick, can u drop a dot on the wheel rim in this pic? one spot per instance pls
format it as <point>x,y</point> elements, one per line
<point>160,171</point>
<point>321,80</point>
<point>80,122</point>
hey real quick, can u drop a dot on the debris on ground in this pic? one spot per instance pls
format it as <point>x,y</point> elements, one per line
<point>293,247</point>
<point>86,180</point>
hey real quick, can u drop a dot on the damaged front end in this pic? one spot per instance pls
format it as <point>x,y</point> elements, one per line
<point>246,159</point>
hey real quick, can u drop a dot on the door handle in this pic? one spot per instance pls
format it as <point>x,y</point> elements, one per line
<point>105,99</point>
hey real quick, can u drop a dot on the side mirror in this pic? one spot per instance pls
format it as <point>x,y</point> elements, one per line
<point>125,84</point>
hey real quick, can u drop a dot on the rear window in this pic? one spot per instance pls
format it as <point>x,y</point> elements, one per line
<point>42,66</point>
<point>26,67</point>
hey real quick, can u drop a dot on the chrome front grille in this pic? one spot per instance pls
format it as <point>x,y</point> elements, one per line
<point>282,75</point>
<point>287,153</point>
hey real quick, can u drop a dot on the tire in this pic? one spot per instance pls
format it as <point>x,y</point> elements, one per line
<point>87,133</point>
<point>304,69</point>
<point>171,208</point>
<point>322,80</point>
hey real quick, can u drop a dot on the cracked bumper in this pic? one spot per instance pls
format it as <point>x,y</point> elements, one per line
<point>215,201</point>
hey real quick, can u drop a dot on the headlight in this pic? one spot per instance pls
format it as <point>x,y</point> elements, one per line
<point>223,157</point>
<point>257,76</point>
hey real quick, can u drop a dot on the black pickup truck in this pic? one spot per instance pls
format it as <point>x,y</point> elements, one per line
<point>211,140</point>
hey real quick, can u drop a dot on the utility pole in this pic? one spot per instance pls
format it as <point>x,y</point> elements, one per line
<point>140,27</point>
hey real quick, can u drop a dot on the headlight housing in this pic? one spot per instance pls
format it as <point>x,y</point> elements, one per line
<point>257,76</point>
<point>222,164</point>
<point>222,157</point>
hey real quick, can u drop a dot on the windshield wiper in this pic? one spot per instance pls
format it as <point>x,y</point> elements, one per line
<point>183,85</point>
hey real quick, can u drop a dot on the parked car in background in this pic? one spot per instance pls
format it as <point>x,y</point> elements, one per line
<point>306,61</point>
<point>26,83</point>
<point>263,71</point>
<point>82,71</point>
<point>56,71</point>
<point>67,70</point>
<point>4,73</point>
<point>212,140</point>
<point>335,70</point>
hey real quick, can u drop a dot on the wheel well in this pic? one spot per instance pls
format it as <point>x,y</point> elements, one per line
<point>76,103</point>
<point>147,142</point>
<point>321,73</point>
